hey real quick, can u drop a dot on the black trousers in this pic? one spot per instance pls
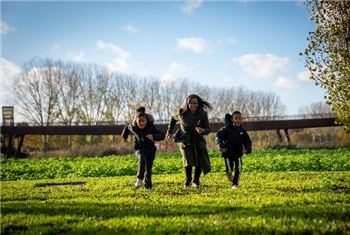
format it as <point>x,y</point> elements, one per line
<point>145,163</point>
<point>237,164</point>
<point>197,174</point>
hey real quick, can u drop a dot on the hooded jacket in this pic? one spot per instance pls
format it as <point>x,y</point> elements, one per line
<point>233,138</point>
<point>141,141</point>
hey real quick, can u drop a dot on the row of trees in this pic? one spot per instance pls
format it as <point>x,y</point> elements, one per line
<point>48,91</point>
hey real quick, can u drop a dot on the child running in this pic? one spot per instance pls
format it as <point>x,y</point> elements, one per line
<point>146,133</point>
<point>233,141</point>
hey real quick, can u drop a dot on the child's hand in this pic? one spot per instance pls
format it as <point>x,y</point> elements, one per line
<point>150,136</point>
<point>223,150</point>
<point>245,151</point>
<point>124,140</point>
<point>168,136</point>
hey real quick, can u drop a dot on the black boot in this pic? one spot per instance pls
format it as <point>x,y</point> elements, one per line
<point>188,171</point>
<point>197,174</point>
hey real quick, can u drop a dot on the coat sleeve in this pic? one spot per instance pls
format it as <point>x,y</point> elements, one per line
<point>205,123</point>
<point>247,142</point>
<point>220,138</point>
<point>158,134</point>
<point>125,132</point>
<point>171,125</point>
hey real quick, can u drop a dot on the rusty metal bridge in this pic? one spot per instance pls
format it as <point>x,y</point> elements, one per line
<point>277,123</point>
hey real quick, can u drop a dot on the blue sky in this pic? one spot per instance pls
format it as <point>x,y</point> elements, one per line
<point>254,44</point>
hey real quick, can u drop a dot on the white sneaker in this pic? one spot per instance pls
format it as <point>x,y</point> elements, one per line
<point>138,183</point>
<point>230,177</point>
<point>234,186</point>
<point>195,185</point>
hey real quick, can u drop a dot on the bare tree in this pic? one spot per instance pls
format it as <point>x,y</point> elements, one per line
<point>92,86</point>
<point>35,91</point>
<point>68,93</point>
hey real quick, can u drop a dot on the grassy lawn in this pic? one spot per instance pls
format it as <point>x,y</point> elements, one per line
<point>289,202</point>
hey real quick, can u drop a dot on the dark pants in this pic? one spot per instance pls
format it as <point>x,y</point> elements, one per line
<point>144,170</point>
<point>197,174</point>
<point>234,162</point>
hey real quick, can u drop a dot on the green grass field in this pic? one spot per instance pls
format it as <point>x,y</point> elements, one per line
<point>267,201</point>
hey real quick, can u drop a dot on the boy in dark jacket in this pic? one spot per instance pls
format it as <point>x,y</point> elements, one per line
<point>233,141</point>
<point>146,134</point>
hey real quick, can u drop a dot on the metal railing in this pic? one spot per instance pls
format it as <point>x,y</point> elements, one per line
<point>211,120</point>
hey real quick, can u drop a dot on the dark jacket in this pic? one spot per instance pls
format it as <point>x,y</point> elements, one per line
<point>233,138</point>
<point>141,141</point>
<point>196,151</point>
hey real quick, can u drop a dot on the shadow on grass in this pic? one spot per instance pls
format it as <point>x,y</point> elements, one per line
<point>160,211</point>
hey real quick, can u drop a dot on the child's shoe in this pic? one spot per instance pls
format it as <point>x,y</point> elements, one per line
<point>187,184</point>
<point>195,185</point>
<point>235,186</point>
<point>138,183</point>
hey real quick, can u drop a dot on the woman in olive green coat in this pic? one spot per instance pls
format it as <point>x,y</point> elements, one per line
<point>194,124</point>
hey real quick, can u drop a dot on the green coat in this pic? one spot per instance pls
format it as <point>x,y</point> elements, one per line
<point>197,151</point>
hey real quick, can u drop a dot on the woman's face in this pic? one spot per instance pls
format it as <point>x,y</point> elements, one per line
<point>141,122</point>
<point>193,104</point>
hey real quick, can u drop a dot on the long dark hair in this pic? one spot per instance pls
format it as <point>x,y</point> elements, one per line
<point>202,104</point>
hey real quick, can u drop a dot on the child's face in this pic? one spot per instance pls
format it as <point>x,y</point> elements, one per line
<point>141,122</point>
<point>237,119</point>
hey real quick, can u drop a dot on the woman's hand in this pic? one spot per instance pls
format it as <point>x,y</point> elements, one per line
<point>199,130</point>
<point>168,136</point>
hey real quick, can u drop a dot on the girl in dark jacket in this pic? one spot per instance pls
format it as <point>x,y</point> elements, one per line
<point>233,141</point>
<point>146,133</point>
<point>194,124</point>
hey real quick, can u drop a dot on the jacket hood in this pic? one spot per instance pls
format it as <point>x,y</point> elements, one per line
<point>228,119</point>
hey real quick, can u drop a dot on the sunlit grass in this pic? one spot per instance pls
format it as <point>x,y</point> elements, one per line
<point>265,203</point>
<point>171,163</point>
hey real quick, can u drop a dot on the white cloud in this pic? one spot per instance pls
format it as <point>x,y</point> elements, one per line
<point>9,71</point>
<point>172,73</point>
<point>198,45</point>
<point>226,80</point>
<point>262,66</point>
<point>287,83</point>
<point>191,5</point>
<point>231,40</point>
<point>130,28</point>
<point>177,68</point>
<point>56,46</point>
<point>5,28</point>
<point>304,76</point>
<point>167,79</point>
<point>227,40</point>
<point>77,58</point>
<point>120,63</point>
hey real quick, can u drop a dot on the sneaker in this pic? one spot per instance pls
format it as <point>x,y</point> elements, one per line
<point>230,177</point>
<point>195,185</point>
<point>187,184</point>
<point>234,186</point>
<point>138,183</point>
